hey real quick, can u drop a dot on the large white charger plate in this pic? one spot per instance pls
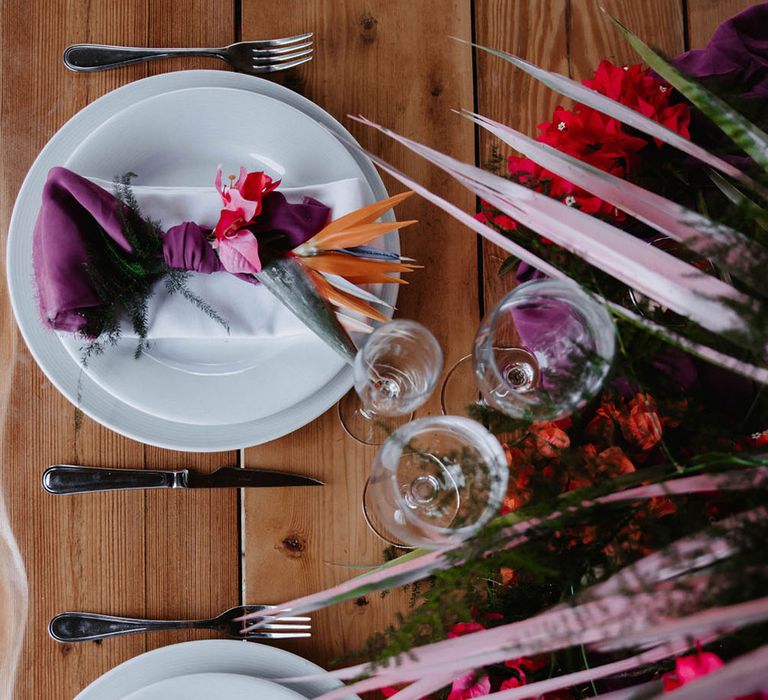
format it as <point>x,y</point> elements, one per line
<point>73,144</point>
<point>220,656</point>
<point>204,686</point>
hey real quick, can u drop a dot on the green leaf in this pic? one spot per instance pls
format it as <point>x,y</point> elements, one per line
<point>288,280</point>
<point>509,265</point>
<point>746,135</point>
<point>755,211</point>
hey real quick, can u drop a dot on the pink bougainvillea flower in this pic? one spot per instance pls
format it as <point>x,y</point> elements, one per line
<point>688,668</point>
<point>242,200</point>
<point>462,628</point>
<point>470,686</point>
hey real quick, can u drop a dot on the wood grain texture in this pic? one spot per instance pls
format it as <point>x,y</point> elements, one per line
<point>705,15</point>
<point>167,554</point>
<point>133,553</point>
<point>567,36</point>
<point>392,61</point>
<point>537,32</point>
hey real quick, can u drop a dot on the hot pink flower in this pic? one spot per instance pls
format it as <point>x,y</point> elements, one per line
<point>688,668</point>
<point>462,628</point>
<point>237,247</point>
<point>242,200</point>
<point>470,686</point>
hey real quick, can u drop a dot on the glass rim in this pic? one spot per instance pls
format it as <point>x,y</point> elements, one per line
<point>566,287</point>
<point>404,324</point>
<point>498,465</point>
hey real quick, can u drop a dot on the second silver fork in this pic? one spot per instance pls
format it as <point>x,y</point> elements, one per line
<point>83,627</point>
<point>263,56</point>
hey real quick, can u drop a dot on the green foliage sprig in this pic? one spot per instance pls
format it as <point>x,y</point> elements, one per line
<point>125,281</point>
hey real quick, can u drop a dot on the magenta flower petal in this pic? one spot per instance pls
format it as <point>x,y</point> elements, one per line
<point>239,254</point>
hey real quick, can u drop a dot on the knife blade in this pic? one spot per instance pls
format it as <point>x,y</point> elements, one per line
<point>68,478</point>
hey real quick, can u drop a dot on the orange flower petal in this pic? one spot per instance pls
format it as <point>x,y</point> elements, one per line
<point>358,235</point>
<point>345,265</point>
<point>366,215</point>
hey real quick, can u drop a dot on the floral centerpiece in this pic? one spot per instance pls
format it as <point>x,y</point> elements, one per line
<point>629,559</point>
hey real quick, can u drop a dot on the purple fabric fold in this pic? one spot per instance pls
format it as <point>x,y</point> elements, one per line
<point>736,55</point>
<point>76,213</point>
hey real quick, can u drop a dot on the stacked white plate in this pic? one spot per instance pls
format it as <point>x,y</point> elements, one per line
<point>226,669</point>
<point>172,129</point>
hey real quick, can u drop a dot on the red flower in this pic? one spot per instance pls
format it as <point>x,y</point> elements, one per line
<point>688,668</point>
<point>550,440</point>
<point>615,461</point>
<point>636,88</point>
<point>462,628</point>
<point>642,426</point>
<point>602,427</point>
<point>470,686</point>
<point>242,200</point>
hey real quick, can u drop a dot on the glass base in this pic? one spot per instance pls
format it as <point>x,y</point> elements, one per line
<point>459,390</point>
<point>376,526</point>
<point>365,428</point>
<point>460,393</point>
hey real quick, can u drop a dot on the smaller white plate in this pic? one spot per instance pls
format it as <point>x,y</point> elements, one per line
<point>218,656</point>
<point>205,686</point>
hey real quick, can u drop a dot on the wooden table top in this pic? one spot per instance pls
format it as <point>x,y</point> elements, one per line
<point>193,554</point>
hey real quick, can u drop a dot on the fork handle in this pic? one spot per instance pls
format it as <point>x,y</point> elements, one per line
<point>83,627</point>
<point>89,57</point>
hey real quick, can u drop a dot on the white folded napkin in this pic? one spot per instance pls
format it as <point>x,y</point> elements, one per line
<point>250,310</point>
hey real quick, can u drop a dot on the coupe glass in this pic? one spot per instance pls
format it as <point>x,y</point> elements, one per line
<point>436,481</point>
<point>544,351</point>
<point>395,372</point>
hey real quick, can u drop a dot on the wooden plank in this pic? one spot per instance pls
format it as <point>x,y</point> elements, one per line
<point>128,553</point>
<point>392,61</point>
<point>705,15</point>
<point>564,36</point>
<point>538,33</point>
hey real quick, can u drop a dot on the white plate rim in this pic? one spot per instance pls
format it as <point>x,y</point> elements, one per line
<point>204,655</point>
<point>158,432</point>
<point>252,685</point>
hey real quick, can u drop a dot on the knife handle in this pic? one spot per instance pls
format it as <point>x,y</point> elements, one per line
<point>66,478</point>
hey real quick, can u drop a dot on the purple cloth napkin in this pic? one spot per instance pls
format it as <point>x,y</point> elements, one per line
<point>737,54</point>
<point>75,213</point>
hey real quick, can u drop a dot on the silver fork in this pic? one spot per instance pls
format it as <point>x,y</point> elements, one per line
<point>83,627</point>
<point>265,56</point>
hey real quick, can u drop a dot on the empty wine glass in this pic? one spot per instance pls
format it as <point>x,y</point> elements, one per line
<point>395,372</point>
<point>544,351</point>
<point>436,481</point>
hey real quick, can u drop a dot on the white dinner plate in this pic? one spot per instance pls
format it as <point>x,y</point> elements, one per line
<point>261,377</point>
<point>207,686</point>
<point>74,144</point>
<point>210,656</point>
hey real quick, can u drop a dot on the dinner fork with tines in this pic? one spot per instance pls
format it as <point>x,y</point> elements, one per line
<point>264,56</point>
<point>83,627</point>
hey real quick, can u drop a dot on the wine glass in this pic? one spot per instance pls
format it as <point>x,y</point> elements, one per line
<point>436,481</point>
<point>544,351</point>
<point>395,372</point>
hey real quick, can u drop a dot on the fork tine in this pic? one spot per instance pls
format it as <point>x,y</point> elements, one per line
<point>274,67</point>
<point>273,626</point>
<point>282,41</point>
<point>272,59</point>
<point>276,51</point>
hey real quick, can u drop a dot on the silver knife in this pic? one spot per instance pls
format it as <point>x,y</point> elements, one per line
<point>68,478</point>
